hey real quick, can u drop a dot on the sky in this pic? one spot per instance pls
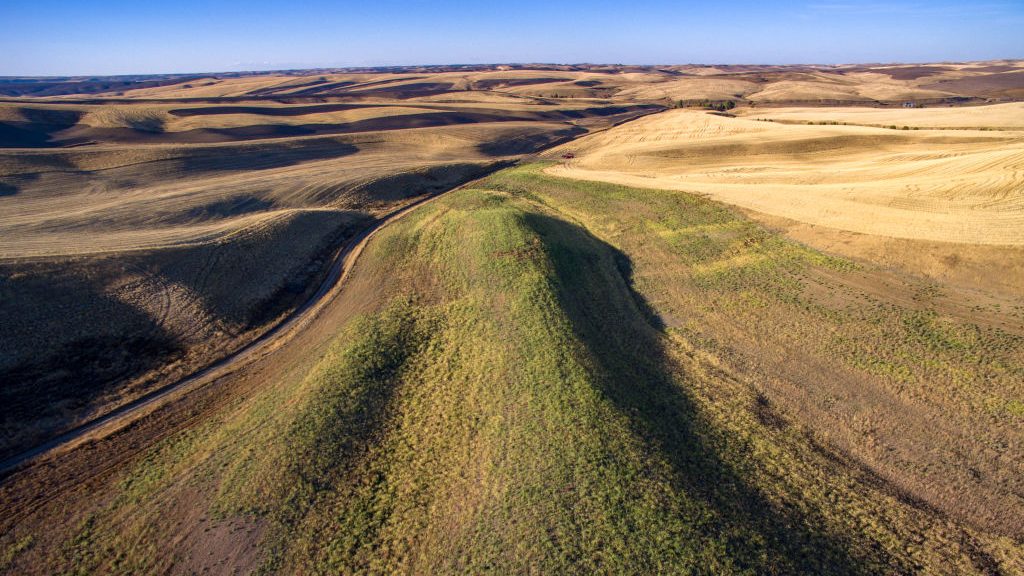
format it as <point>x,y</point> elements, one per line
<point>93,37</point>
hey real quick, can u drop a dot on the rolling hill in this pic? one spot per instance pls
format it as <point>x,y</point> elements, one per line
<point>514,319</point>
<point>521,377</point>
<point>931,190</point>
<point>141,242</point>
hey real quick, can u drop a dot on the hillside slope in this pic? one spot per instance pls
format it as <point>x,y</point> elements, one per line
<point>140,243</point>
<point>561,377</point>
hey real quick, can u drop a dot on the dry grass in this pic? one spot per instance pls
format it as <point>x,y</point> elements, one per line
<point>984,269</point>
<point>539,374</point>
<point>184,230</point>
<point>562,376</point>
<point>950,186</point>
<point>904,373</point>
<point>994,117</point>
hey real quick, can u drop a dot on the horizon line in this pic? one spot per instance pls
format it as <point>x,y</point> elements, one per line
<point>398,67</point>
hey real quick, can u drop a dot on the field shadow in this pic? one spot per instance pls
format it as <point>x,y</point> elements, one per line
<point>22,135</point>
<point>264,157</point>
<point>529,143</point>
<point>268,110</point>
<point>255,278</point>
<point>64,345</point>
<point>383,123</point>
<point>624,337</point>
<point>267,131</point>
<point>186,162</point>
<point>492,83</point>
<point>37,127</point>
<point>406,91</point>
<point>227,208</point>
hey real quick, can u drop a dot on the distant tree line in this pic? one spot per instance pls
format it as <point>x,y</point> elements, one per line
<point>720,105</point>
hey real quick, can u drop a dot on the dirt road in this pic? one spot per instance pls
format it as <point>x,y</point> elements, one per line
<point>271,340</point>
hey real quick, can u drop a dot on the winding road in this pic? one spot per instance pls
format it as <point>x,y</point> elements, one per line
<point>267,342</point>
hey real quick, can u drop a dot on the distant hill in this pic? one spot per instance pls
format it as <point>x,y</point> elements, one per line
<point>944,83</point>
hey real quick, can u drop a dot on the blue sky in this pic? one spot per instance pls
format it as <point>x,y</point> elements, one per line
<point>51,37</point>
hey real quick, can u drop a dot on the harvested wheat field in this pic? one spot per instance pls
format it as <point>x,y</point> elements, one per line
<point>184,230</point>
<point>961,186</point>
<point>936,191</point>
<point>851,84</point>
<point>514,319</point>
<point>1009,116</point>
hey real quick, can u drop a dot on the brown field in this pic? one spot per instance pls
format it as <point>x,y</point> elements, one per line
<point>182,230</point>
<point>846,84</point>
<point>515,319</point>
<point>1008,116</point>
<point>952,193</point>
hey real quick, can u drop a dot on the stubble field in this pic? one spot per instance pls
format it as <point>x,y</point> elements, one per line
<point>139,242</point>
<point>781,337</point>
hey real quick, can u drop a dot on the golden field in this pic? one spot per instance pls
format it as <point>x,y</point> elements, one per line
<point>939,198</point>
<point>514,319</point>
<point>184,230</point>
<point>922,184</point>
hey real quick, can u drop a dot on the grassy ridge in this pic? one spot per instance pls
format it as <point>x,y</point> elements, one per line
<point>704,266</point>
<point>539,390</point>
<point>520,416</point>
<point>489,456</point>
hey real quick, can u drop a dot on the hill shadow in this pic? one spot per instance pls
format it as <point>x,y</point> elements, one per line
<point>37,127</point>
<point>147,133</point>
<point>65,344</point>
<point>624,337</point>
<point>264,157</point>
<point>268,110</point>
<point>254,278</point>
<point>528,143</point>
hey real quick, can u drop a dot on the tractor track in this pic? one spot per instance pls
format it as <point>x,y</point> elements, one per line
<point>80,460</point>
<point>266,343</point>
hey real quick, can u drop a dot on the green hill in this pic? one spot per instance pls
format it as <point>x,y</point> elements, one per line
<point>543,382</point>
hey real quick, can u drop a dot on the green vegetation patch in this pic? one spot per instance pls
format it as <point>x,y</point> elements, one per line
<point>540,387</point>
